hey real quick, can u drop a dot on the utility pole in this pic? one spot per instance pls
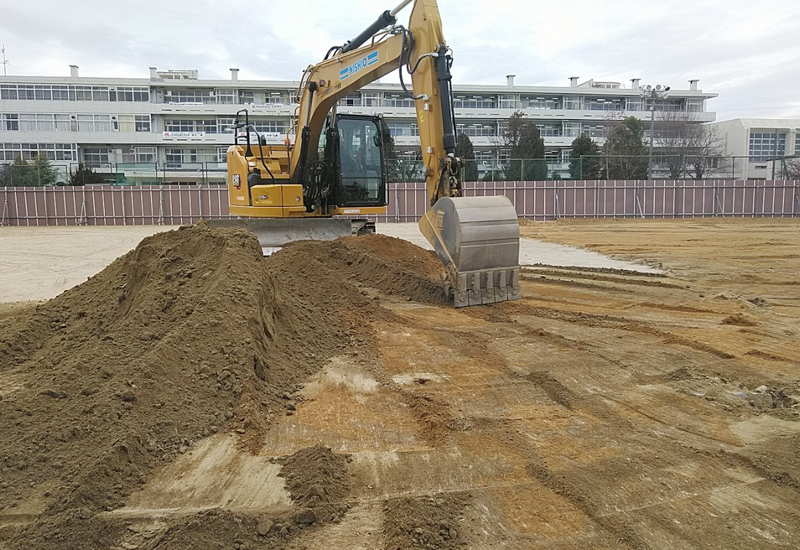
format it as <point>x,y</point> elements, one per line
<point>653,93</point>
<point>5,61</point>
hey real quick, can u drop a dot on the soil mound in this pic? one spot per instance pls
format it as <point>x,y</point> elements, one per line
<point>190,333</point>
<point>317,479</point>
<point>425,523</point>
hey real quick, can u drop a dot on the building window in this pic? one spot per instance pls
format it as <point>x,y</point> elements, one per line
<point>549,130</point>
<point>83,93</point>
<point>60,93</point>
<point>541,102</point>
<point>603,104</point>
<point>225,125</point>
<point>207,126</point>
<point>188,96</point>
<point>371,99</point>
<point>477,129</point>
<point>399,100</point>
<point>134,123</point>
<point>764,146</point>
<point>8,91</point>
<point>403,129</point>
<point>35,123</point>
<point>94,123</point>
<point>95,156</point>
<point>634,104</point>
<point>351,100</point>
<point>573,103</point>
<point>509,101</point>
<point>43,93</point>
<point>595,130</point>
<point>269,126</point>
<point>177,157</point>
<point>27,123</point>
<point>485,156</point>
<point>122,93</point>
<point>45,123</point>
<point>143,123</point>
<point>797,143</point>
<point>29,151</point>
<point>100,93</point>
<point>62,123</point>
<point>474,102</point>
<point>275,98</point>
<point>225,97</point>
<point>10,122</point>
<point>126,123</point>
<point>694,105</point>
<point>246,97</point>
<point>572,129</point>
<point>670,105</point>
<point>145,155</point>
<point>25,92</point>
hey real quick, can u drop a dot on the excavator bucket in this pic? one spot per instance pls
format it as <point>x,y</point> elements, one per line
<point>477,239</point>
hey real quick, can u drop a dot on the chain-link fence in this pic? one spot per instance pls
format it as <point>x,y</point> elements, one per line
<point>606,167</point>
<point>589,167</point>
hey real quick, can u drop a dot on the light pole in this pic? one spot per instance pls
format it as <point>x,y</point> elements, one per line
<point>653,93</point>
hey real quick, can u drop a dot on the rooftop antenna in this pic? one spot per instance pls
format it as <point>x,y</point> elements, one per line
<point>5,61</point>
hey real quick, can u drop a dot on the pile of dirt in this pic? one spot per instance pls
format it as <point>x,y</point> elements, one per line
<point>425,523</point>
<point>190,333</point>
<point>317,480</point>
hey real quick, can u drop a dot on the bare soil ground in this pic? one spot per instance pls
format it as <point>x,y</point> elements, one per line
<point>326,398</point>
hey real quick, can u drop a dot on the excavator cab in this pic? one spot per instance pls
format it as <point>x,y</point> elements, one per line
<point>352,147</point>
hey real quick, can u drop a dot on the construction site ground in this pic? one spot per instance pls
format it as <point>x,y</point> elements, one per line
<point>335,401</point>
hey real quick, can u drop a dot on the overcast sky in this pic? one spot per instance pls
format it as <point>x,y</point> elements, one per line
<point>747,52</point>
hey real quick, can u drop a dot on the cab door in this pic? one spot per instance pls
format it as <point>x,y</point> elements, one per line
<point>362,175</point>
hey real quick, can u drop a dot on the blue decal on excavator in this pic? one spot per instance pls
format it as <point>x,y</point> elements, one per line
<point>364,62</point>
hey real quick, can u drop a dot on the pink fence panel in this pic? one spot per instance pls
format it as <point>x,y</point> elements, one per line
<point>407,202</point>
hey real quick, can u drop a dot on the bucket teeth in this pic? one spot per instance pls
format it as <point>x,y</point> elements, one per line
<point>486,287</point>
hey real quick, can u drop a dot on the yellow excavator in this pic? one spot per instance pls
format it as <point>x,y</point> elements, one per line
<point>333,177</point>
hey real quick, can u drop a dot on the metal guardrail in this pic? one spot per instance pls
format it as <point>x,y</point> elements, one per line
<point>535,200</point>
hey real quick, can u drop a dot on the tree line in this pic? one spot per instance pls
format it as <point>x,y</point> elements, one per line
<point>684,148</point>
<point>40,172</point>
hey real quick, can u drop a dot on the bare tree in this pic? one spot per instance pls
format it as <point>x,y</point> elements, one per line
<point>793,169</point>
<point>687,146</point>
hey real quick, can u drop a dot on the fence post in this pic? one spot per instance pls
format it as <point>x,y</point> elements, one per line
<point>161,205</point>
<point>5,207</point>
<point>636,199</point>
<point>81,219</point>
<point>556,213</point>
<point>795,200</point>
<point>396,204</point>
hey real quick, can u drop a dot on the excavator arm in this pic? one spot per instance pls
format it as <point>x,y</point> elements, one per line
<point>421,50</point>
